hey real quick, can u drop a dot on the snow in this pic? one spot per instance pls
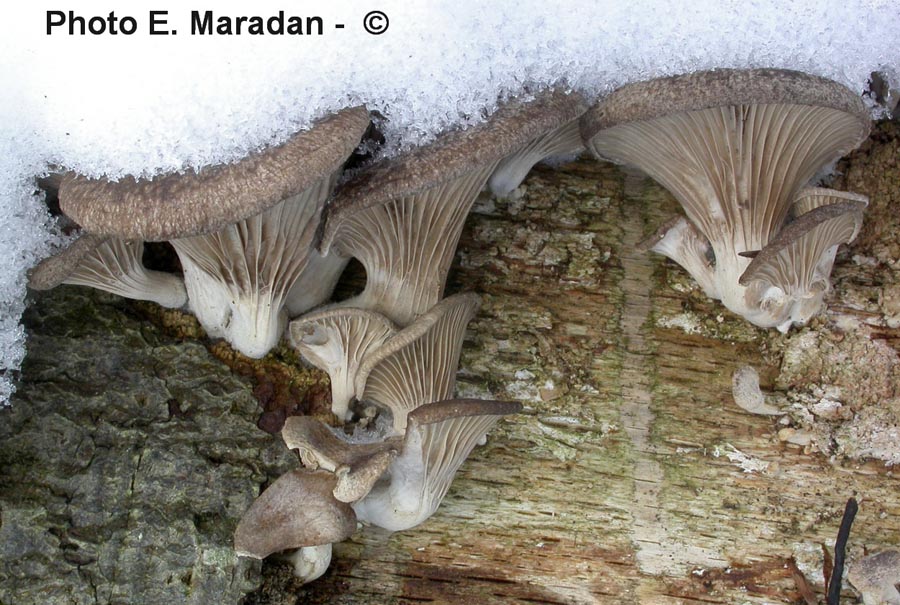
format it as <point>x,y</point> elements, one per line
<point>141,104</point>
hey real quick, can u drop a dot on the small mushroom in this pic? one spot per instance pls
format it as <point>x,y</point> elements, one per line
<point>558,135</point>
<point>747,394</point>
<point>402,217</point>
<point>335,340</point>
<point>300,511</point>
<point>439,437</point>
<point>356,465</point>
<point>793,270</point>
<point>418,364</point>
<point>733,147</point>
<point>110,264</point>
<point>680,241</point>
<point>876,577</point>
<point>244,232</point>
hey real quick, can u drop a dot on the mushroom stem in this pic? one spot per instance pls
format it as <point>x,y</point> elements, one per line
<point>238,278</point>
<point>310,562</point>
<point>509,174</point>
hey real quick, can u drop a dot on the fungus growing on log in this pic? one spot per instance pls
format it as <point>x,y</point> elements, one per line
<point>110,264</point>
<point>439,437</point>
<point>243,231</point>
<point>402,217</point>
<point>418,364</point>
<point>336,340</point>
<point>793,271</point>
<point>298,511</point>
<point>356,465</point>
<point>557,135</point>
<point>734,147</point>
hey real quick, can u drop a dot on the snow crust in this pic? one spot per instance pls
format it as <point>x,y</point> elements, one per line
<point>141,104</point>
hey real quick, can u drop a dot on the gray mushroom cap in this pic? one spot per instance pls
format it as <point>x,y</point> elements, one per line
<point>297,510</point>
<point>204,201</point>
<point>679,240</point>
<point>733,147</point>
<point>403,217</point>
<point>562,137</point>
<point>789,260</point>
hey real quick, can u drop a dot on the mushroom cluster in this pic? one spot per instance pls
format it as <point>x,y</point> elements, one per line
<point>736,148</point>
<point>396,346</point>
<point>262,243</point>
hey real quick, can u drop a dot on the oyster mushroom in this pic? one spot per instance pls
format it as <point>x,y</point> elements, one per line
<point>792,272</point>
<point>439,437</point>
<point>418,364</point>
<point>336,340</point>
<point>244,232</point>
<point>402,217</point>
<point>356,465</point>
<point>558,134</point>
<point>680,241</point>
<point>110,264</point>
<point>734,147</point>
<point>298,511</point>
<point>876,577</point>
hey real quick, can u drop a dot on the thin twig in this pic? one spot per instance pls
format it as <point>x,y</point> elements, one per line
<point>840,545</point>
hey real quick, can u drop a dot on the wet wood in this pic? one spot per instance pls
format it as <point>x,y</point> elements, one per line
<point>631,477</point>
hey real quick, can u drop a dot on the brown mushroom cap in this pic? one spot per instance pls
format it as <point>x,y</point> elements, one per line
<point>659,97</point>
<point>112,265</point>
<point>450,157</point>
<point>810,198</point>
<point>194,203</point>
<point>54,270</point>
<point>357,465</point>
<point>297,510</point>
<point>876,577</point>
<point>789,261</point>
<point>679,240</point>
<point>562,138</point>
<point>733,146</point>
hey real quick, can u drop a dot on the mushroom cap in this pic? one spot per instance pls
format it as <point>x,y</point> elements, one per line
<point>297,510</point>
<point>442,411</point>
<point>800,245</point>
<point>438,439</point>
<point>357,465</point>
<point>418,364</point>
<point>197,202</point>
<point>659,97</point>
<point>336,340</point>
<point>810,198</point>
<point>54,270</point>
<point>451,156</point>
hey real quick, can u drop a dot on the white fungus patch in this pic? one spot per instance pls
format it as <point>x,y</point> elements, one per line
<point>140,104</point>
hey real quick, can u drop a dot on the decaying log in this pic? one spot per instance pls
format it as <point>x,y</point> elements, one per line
<point>632,477</point>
